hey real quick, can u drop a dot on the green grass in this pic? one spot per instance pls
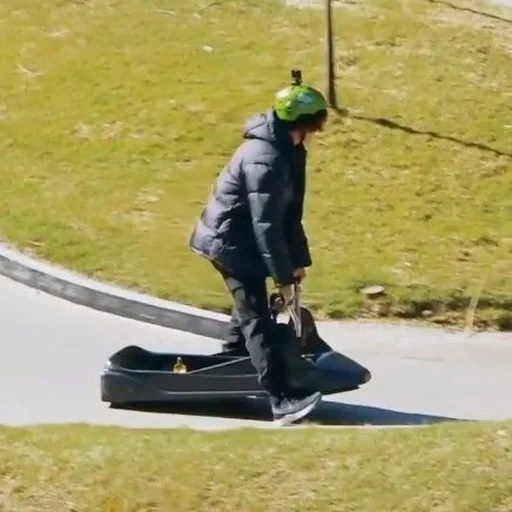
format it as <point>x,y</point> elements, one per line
<point>449,468</point>
<point>115,118</point>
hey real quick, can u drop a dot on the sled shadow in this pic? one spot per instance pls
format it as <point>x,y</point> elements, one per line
<point>327,413</point>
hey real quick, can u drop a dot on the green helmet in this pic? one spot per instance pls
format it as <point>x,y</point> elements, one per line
<point>297,100</point>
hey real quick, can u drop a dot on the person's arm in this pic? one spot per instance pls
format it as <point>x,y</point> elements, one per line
<point>265,185</point>
<point>296,237</point>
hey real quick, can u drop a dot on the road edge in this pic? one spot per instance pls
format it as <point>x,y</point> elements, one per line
<point>76,288</point>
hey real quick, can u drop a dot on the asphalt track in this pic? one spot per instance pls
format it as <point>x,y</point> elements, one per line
<point>53,352</point>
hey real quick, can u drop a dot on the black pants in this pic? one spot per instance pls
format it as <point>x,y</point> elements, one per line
<point>251,327</point>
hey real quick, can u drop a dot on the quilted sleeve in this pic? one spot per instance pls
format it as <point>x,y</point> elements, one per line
<point>265,185</point>
<point>297,240</point>
<point>296,236</point>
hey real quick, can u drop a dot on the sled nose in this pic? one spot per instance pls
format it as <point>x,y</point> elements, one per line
<point>343,367</point>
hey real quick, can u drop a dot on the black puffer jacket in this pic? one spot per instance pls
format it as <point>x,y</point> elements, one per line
<point>252,224</point>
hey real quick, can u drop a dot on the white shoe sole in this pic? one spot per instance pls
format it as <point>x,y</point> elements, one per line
<point>291,418</point>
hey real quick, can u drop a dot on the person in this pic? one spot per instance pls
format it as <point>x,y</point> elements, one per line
<point>251,229</point>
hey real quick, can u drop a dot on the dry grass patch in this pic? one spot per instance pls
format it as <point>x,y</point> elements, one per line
<point>449,468</point>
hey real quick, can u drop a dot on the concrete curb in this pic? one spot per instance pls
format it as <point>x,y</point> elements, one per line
<point>108,298</point>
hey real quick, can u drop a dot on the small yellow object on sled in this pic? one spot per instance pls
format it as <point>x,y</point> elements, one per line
<point>179,366</point>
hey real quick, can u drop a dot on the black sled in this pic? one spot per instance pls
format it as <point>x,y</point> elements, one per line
<point>135,375</point>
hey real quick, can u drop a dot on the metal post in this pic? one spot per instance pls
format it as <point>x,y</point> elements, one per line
<point>331,79</point>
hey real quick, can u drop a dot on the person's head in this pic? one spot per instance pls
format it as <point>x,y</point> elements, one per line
<point>302,109</point>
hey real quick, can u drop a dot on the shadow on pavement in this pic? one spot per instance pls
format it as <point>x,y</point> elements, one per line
<point>327,413</point>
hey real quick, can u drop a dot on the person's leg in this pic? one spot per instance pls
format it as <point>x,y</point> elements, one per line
<point>259,330</point>
<point>234,342</point>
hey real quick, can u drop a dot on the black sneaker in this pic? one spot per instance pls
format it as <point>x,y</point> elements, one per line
<point>287,410</point>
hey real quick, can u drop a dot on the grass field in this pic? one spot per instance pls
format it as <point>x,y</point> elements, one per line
<point>449,468</point>
<point>115,118</point>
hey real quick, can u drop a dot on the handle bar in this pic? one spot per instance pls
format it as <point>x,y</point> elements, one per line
<point>277,306</point>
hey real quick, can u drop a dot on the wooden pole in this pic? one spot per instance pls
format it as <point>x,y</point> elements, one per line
<point>331,79</point>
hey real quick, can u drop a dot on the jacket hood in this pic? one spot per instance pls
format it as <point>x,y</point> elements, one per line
<point>267,127</point>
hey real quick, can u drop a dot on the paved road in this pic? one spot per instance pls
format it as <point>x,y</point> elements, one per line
<point>53,352</point>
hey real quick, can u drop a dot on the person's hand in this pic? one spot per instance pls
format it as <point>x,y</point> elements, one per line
<point>299,274</point>
<point>287,292</point>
